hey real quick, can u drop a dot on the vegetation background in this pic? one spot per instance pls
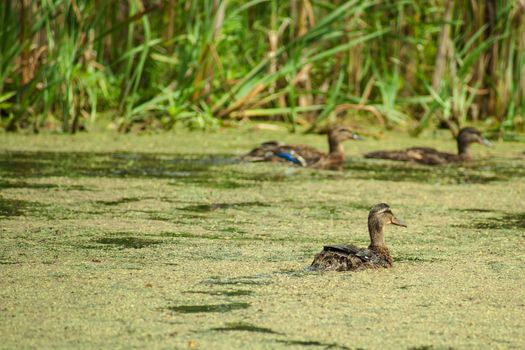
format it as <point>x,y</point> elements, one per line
<point>155,63</point>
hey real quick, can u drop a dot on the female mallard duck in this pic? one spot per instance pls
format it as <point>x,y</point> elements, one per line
<point>430,156</point>
<point>303,155</point>
<point>351,258</point>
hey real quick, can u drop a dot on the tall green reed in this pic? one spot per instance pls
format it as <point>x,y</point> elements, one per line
<point>411,64</point>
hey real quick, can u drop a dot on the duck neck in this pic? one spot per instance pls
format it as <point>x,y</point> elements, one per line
<point>377,238</point>
<point>464,149</point>
<point>335,146</point>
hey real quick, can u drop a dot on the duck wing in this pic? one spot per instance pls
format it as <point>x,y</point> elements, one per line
<point>422,155</point>
<point>341,257</point>
<point>308,153</point>
<point>342,248</point>
<point>275,151</point>
<point>430,156</point>
<point>392,155</point>
<point>265,152</point>
<point>366,255</point>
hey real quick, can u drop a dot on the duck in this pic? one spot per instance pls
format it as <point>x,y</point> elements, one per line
<point>342,257</point>
<point>304,155</point>
<point>431,156</point>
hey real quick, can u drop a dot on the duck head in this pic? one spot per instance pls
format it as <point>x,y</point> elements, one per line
<point>468,136</point>
<point>339,134</point>
<point>381,215</point>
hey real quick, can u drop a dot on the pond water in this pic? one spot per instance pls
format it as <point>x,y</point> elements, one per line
<point>161,241</point>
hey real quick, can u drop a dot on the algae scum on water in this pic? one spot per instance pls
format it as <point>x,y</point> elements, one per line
<point>158,241</point>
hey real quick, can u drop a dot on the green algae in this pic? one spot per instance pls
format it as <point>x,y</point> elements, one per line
<point>104,238</point>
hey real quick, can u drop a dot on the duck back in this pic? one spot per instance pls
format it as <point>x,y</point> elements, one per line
<point>421,155</point>
<point>273,151</point>
<point>349,258</point>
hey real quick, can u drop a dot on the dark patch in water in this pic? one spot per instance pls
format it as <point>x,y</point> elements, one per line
<point>12,207</point>
<point>23,184</point>
<point>244,327</point>
<point>228,293</point>
<point>201,170</point>
<point>413,258</point>
<point>186,168</point>
<point>178,234</point>
<point>119,201</point>
<point>250,280</point>
<point>128,242</point>
<point>296,273</point>
<point>18,207</point>
<point>477,210</point>
<point>208,181</point>
<point>505,222</point>
<point>200,236</point>
<point>190,309</point>
<point>477,172</point>
<point>406,286</point>
<point>160,217</point>
<point>203,208</point>
<point>313,343</point>
<point>5,262</point>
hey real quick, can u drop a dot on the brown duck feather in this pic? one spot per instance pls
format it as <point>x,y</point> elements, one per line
<point>342,257</point>
<point>308,156</point>
<point>422,155</point>
<point>350,258</point>
<point>431,156</point>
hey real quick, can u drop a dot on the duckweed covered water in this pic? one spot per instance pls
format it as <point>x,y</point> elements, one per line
<point>167,241</point>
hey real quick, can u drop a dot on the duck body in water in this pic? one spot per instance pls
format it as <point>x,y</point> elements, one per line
<point>304,155</point>
<point>351,258</point>
<point>431,156</point>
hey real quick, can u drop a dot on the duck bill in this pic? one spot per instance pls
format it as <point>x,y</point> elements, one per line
<point>397,222</point>
<point>357,137</point>
<point>486,142</point>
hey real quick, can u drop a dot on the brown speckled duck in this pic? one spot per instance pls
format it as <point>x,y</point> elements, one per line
<point>351,258</point>
<point>303,155</point>
<point>430,156</point>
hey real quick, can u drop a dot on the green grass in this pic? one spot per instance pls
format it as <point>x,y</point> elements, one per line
<point>163,241</point>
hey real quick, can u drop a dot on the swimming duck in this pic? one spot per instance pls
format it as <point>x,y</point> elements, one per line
<point>430,156</point>
<point>351,258</point>
<point>303,155</point>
